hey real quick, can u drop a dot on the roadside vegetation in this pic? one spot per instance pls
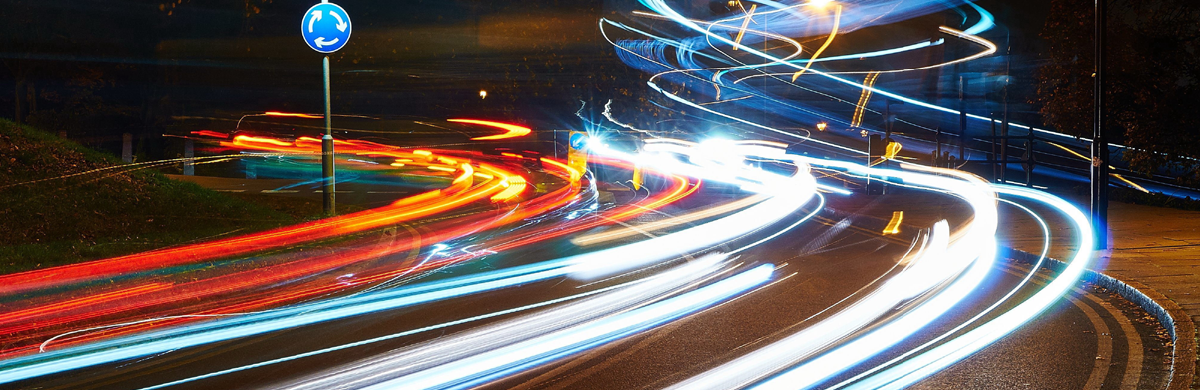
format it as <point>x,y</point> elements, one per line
<point>61,203</point>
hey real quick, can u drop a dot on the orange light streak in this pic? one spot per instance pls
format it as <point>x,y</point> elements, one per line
<point>210,133</point>
<point>293,115</point>
<point>135,301</point>
<point>513,131</point>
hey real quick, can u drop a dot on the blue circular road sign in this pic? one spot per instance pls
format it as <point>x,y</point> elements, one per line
<point>578,141</point>
<point>326,27</point>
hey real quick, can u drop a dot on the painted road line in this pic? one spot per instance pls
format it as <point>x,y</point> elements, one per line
<point>1133,340</point>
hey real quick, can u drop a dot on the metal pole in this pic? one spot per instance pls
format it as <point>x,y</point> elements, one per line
<point>937,152</point>
<point>1099,214</point>
<point>327,150</point>
<point>992,155</point>
<point>1004,144</point>
<point>962,116</point>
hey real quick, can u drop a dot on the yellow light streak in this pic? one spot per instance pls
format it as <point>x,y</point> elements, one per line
<point>861,108</point>
<point>837,20</point>
<point>893,227</point>
<point>514,186</point>
<point>892,149</point>
<point>745,23</point>
<point>575,174</point>
<point>466,175</point>
<point>1118,176</point>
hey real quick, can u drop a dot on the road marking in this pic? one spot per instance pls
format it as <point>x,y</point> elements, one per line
<point>1103,346</point>
<point>230,190</point>
<point>279,191</point>
<point>1133,341</point>
<point>1133,366</point>
<point>335,191</point>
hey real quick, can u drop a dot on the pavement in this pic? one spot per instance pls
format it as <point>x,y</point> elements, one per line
<point>1155,249</point>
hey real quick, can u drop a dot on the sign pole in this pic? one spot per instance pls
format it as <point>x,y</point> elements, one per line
<point>327,149</point>
<point>326,28</point>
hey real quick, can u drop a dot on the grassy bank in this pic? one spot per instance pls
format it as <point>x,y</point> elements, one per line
<point>61,202</point>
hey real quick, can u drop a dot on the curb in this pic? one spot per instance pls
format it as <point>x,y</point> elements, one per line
<point>1167,312</point>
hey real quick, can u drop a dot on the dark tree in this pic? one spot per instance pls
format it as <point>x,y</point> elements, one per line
<point>1152,80</point>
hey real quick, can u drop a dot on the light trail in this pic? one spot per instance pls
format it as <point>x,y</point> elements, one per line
<point>389,337</point>
<point>947,267</point>
<point>326,228</point>
<point>293,115</point>
<point>512,131</point>
<point>482,368</point>
<point>662,10</point>
<point>633,230</point>
<point>586,265</point>
<point>1033,270</point>
<point>256,323</point>
<point>488,339</point>
<point>600,261</point>
<point>950,352</point>
<point>818,352</point>
<point>715,162</point>
<point>837,21</point>
<point>286,271</point>
<point>43,317</point>
<point>966,258</point>
<point>152,343</point>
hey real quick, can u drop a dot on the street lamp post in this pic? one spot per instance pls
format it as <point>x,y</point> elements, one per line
<point>1099,170</point>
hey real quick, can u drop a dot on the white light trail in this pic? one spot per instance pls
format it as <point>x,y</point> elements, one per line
<point>497,363</point>
<point>966,261</point>
<point>464,345</point>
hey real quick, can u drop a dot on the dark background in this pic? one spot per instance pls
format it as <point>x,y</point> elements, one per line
<point>92,70</point>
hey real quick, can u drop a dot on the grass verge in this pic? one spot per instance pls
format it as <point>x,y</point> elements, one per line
<point>62,203</point>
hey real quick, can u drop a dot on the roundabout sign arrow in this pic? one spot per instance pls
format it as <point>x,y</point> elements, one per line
<point>326,27</point>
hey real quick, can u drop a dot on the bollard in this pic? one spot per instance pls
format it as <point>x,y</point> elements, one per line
<point>127,147</point>
<point>189,155</point>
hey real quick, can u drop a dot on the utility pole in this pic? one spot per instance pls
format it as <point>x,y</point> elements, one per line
<point>1099,211</point>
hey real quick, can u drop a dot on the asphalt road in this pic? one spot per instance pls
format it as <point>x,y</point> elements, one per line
<point>1091,341</point>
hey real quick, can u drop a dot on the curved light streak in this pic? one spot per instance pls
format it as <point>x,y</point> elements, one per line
<point>512,131</point>
<point>966,261</point>
<point>484,367</point>
<point>952,351</point>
